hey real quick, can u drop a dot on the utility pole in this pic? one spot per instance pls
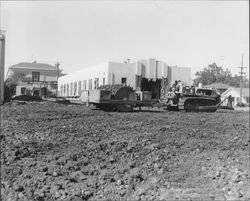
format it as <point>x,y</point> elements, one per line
<point>241,77</point>
<point>2,56</point>
<point>58,74</point>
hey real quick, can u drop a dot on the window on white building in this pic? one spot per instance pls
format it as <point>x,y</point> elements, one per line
<point>61,92</point>
<point>74,88</point>
<point>103,81</point>
<point>96,83</point>
<point>67,89</point>
<point>79,87</point>
<point>90,84</point>
<point>84,85</point>
<point>71,89</point>
<point>124,80</point>
<point>64,89</point>
<point>247,99</point>
<point>35,76</point>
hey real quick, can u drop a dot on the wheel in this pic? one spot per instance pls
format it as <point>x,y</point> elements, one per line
<point>124,107</point>
<point>106,107</point>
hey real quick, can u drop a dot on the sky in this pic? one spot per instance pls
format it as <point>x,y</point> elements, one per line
<point>78,34</point>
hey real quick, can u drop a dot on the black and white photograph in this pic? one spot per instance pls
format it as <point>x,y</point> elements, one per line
<point>139,100</point>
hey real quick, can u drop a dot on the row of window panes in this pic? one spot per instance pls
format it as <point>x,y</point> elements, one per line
<point>71,89</point>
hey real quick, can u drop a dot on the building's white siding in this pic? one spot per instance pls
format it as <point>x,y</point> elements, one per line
<point>152,69</point>
<point>162,70</point>
<point>144,68</point>
<point>122,70</point>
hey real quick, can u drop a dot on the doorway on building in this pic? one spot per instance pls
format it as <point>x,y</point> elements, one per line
<point>23,89</point>
<point>44,91</point>
<point>152,86</point>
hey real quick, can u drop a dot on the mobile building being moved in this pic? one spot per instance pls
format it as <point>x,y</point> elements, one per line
<point>144,75</point>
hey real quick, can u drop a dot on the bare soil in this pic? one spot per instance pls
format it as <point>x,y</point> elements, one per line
<point>53,151</point>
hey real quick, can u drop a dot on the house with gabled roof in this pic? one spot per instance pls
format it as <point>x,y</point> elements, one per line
<point>235,94</point>
<point>40,78</point>
<point>220,87</point>
<point>226,90</point>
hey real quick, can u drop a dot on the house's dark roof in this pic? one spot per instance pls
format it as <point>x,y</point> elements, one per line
<point>34,65</point>
<point>218,86</point>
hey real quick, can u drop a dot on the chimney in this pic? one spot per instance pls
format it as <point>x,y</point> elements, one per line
<point>57,65</point>
<point>127,61</point>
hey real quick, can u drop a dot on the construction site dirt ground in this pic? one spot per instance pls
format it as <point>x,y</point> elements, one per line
<point>52,151</point>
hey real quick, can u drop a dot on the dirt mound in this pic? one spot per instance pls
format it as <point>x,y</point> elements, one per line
<point>54,151</point>
<point>27,98</point>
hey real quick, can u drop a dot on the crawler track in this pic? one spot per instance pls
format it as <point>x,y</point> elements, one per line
<point>200,105</point>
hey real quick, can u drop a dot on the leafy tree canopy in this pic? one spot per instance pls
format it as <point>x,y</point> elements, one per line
<point>215,74</point>
<point>16,78</point>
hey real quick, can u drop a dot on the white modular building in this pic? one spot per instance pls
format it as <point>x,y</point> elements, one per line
<point>92,77</point>
<point>144,75</point>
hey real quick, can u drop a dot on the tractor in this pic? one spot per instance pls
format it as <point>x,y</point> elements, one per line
<point>191,99</point>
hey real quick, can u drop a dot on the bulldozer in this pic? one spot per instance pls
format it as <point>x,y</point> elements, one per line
<point>192,99</point>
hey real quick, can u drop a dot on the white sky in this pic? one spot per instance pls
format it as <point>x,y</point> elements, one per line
<point>78,34</point>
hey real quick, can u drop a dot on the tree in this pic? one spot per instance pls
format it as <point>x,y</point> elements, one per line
<point>13,80</point>
<point>235,81</point>
<point>211,74</point>
<point>16,78</point>
<point>216,74</point>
